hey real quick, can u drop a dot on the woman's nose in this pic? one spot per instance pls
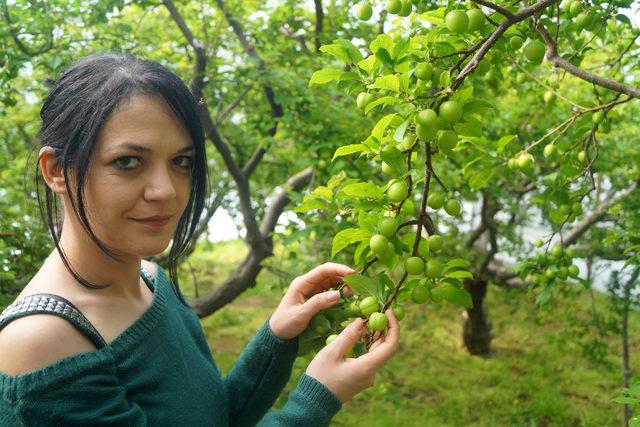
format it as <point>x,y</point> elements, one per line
<point>161,185</point>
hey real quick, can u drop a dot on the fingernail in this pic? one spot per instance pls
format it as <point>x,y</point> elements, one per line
<point>332,295</point>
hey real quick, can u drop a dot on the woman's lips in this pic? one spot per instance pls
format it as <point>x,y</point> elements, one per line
<point>155,221</point>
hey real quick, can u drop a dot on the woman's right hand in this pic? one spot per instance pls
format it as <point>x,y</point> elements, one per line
<point>346,377</point>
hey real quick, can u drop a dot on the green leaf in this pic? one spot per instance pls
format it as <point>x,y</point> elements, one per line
<point>362,285</point>
<point>445,78</point>
<point>634,389</point>
<point>634,422</point>
<point>476,106</point>
<point>336,180</point>
<point>481,178</point>
<point>386,281</point>
<point>623,18</point>
<point>336,51</point>
<point>349,76</point>
<point>385,100</point>
<point>368,64</point>
<point>325,76</point>
<point>469,128</point>
<point>389,82</point>
<point>381,126</point>
<point>544,296</point>
<point>384,57</point>
<point>399,133</point>
<point>360,255</point>
<point>393,157</point>
<point>460,274</point>
<point>310,205</point>
<point>345,150</point>
<point>456,263</point>
<point>367,221</point>
<point>362,189</point>
<point>382,41</point>
<point>625,400</point>
<point>347,237</point>
<point>433,17</point>
<point>462,95</point>
<point>353,53</point>
<point>556,216</point>
<point>321,192</point>
<point>502,143</point>
<point>457,296</point>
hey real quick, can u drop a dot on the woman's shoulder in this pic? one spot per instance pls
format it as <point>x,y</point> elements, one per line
<point>32,342</point>
<point>35,341</point>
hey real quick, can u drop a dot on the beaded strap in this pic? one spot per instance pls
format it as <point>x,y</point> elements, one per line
<point>43,303</point>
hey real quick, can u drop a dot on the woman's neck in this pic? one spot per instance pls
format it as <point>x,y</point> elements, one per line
<point>96,267</point>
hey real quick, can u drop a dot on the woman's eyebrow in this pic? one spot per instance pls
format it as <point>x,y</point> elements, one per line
<point>187,148</point>
<point>142,149</point>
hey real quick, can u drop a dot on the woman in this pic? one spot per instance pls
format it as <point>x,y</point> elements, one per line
<point>123,148</point>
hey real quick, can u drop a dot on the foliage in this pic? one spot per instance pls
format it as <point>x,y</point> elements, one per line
<point>431,83</point>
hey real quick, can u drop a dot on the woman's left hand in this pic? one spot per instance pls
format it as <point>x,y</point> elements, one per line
<point>306,296</point>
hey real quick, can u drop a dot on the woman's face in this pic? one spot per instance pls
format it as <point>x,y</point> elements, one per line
<point>139,180</point>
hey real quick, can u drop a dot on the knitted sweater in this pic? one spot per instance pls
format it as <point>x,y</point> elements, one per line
<point>160,372</point>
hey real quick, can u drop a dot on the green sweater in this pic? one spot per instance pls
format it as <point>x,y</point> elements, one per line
<point>160,372</point>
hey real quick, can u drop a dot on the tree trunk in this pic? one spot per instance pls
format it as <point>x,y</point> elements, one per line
<point>477,326</point>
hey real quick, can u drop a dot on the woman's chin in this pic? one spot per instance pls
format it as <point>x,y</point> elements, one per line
<point>153,250</point>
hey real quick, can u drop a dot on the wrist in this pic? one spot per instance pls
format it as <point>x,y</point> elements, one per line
<point>279,332</point>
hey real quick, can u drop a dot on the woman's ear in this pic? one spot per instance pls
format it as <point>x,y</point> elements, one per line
<point>52,170</point>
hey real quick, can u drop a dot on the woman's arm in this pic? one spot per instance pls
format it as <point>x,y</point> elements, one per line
<point>333,379</point>
<point>264,367</point>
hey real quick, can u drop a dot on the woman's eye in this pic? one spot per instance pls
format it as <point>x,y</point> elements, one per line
<point>184,162</point>
<point>126,163</point>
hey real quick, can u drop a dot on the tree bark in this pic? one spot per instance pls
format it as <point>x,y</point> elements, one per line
<point>476,332</point>
<point>245,275</point>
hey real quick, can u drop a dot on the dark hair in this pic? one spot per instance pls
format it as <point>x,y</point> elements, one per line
<point>72,115</point>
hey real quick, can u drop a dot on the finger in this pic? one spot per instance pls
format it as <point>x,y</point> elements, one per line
<point>346,291</point>
<point>320,302</point>
<point>321,278</point>
<point>347,338</point>
<point>388,345</point>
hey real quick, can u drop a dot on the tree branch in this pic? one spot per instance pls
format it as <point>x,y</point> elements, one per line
<point>276,108</point>
<point>198,46</point>
<point>14,35</point>
<point>319,22</point>
<point>510,279</point>
<point>224,113</point>
<point>557,61</point>
<point>278,203</point>
<point>576,232</point>
<point>245,275</point>
<point>300,39</point>
<point>501,10</point>
<point>493,38</point>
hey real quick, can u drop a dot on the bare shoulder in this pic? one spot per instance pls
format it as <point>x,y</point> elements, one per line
<point>35,341</point>
<point>150,267</point>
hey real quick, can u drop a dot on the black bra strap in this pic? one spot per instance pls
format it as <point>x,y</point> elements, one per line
<point>52,304</point>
